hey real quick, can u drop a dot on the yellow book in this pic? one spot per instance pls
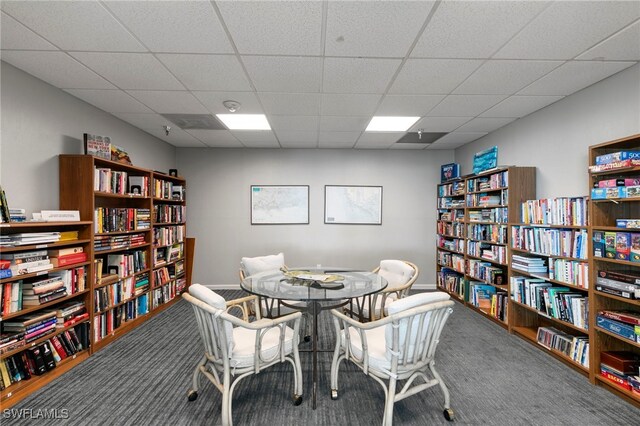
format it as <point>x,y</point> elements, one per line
<point>5,374</point>
<point>68,235</point>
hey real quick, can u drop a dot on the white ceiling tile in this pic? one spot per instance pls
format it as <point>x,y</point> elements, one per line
<point>112,101</point>
<point>145,121</point>
<point>484,124</point>
<point>568,28</point>
<point>290,139</point>
<point>207,72</point>
<point>371,28</point>
<point>573,76</point>
<point>177,137</point>
<point>329,123</point>
<point>216,138</point>
<point>179,102</point>
<point>74,25</point>
<point>249,103</point>
<point>408,105</point>
<point>623,46</point>
<point>378,140</point>
<point>256,138</point>
<point>465,105</point>
<point>439,124</point>
<point>138,71</point>
<point>466,29</point>
<point>14,35</point>
<point>173,26</point>
<point>299,123</point>
<point>291,103</point>
<point>274,28</point>
<point>56,68</point>
<point>519,106</point>
<point>358,75</point>
<point>432,76</point>
<point>504,77</point>
<point>349,104</point>
<point>284,74</point>
<point>455,140</point>
<point>337,139</point>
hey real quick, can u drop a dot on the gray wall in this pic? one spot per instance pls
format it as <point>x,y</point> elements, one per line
<point>39,122</point>
<point>556,139</point>
<point>218,184</point>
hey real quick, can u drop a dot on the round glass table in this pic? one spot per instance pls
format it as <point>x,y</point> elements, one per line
<point>319,289</point>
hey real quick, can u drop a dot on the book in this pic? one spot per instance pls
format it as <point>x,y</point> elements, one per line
<point>631,191</point>
<point>634,250</point>
<point>598,244</point>
<point>624,361</point>
<point>628,223</point>
<point>616,292</point>
<point>610,245</point>
<point>68,259</point>
<point>596,168</point>
<point>605,193</point>
<point>65,251</point>
<point>629,317</point>
<point>23,255</point>
<point>35,355</point>
<point>618,328</point>
<point>624,276</point>
<point>99,146</point>
<point>606,183</point>
<point>5,216</point>
<point>617,156</point>
<point>5,273</point>
<point>623,245</point>
<point>619,285</point>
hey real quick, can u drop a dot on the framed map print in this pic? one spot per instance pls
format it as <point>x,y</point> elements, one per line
<point>279,205</point>
<point>361,205</point>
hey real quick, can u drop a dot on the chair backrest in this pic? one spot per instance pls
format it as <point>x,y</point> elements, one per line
<point>216,333</point>
<point>254,265</point>
<point>415,327</point>
<point>400,274</point>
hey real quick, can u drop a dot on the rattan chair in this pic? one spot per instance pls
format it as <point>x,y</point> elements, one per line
<point>235,348</point>
<point>400,275</point>
<point>399,347</point>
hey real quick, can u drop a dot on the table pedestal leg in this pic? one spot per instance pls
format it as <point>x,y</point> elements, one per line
<point>314,349</point>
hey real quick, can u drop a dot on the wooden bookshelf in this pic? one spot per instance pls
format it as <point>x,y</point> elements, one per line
<point>13,310</point>
<point>472,233</point>
<point>127,206</point>
<point>602,216</point>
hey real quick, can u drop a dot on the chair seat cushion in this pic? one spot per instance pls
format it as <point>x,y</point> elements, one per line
<point>375,347</point>
<point>244,345</point>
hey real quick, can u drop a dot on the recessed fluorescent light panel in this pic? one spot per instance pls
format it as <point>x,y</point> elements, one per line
<point>391,124</point>
<point>244,121</point>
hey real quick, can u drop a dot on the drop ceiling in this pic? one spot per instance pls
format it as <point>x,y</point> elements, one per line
<point>320,70</point>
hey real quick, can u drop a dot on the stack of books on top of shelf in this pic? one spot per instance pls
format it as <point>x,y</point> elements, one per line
<point>17,215</point>
<point>34,326</point>
<point>24,263</point>
<point>621,368</point>
<point>625,324</point>
<point>71,313</point>
<point>112,242</point>
<point>29,238</point>
<point>620,283</point>
<point>41,291</point>
<point>616,160</point>
<point>529,264</point>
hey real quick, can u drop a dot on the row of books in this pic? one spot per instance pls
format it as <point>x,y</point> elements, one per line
<point>161,276</point>
<point>119,182</point>
<point>621,181</point>
<point>164,294</point>
<point>126,264</point>
<point>485,271</point>
<point>116,293</point>
<point>494,181</point>
<point>165,213</point>
<point>498,215</point>
<point>39,359</point>
<point>168,253</point>
<point>453,215</point>
<point>487,251</point>
<point>451,281</point>
<point>488,232</point>
<point>628,223</point>
<point>615,192</point>
<point>28,238</point>
<point>453,229</point>
<point>168,235</point>
<point>617,156</point>
<point>106,323</point>
<point>550,241</point>
<point>115,219</point>
<point>454,261</point>
<point>570,272</point>
<point>488,299</point>
<point>450,203</point>
<point>574,347</point>
<point>571,211</point>
<point>488,199</point>
<point>454,244</point>
<point>558,302</point>
<point>617,245</point>
<point>112,242</point>
<point>620,283</point>
<point>615,165</point>
<point>451,189</point>
<point>168,190</point>
<point>532,265</point>
<point>623,323</point>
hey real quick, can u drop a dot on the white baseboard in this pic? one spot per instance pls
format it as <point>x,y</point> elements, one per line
<point>424,286</point>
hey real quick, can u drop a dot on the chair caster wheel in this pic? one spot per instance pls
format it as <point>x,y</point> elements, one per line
<point>307,338</point>
<point>448,414</point>
<point>192,395</point>
<point>334,394</point>
<point>297,399</point>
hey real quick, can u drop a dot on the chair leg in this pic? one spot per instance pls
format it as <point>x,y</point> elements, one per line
<point>335,363</point>
<point>297,378</point>
<point>443,387</point>
<point>387,420</point>
<point>192,395</point>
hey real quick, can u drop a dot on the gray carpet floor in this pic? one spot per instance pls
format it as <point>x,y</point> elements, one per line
<point>494,379</point>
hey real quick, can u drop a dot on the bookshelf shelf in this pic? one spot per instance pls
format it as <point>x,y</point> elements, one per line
<point>44,246</point>
<point>44,305</point>
<point>39,341</point>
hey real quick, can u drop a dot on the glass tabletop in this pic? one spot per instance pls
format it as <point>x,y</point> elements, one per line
<point>317,284</point>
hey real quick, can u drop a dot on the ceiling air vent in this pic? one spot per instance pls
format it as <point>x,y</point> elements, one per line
<point>422,138</point>
<point>195,121</point>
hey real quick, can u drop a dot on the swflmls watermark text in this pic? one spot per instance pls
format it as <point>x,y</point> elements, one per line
<point>40,413</point>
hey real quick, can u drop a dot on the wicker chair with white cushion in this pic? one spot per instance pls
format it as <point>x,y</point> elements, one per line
<point>235,348</point>
<point>400,274</point>
<point>399,347</point>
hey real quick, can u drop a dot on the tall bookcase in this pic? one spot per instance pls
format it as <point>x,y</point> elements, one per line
<point>78,291</point>
<point>603,215</point>
<point>138,239</point>
<point>472,247</point>
<point>549,280</point>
